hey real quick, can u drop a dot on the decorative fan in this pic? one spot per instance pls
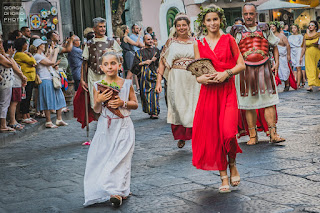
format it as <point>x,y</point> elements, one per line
<point>201,66</point>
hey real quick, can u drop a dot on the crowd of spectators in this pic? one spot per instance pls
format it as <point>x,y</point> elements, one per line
<point>28,65</point>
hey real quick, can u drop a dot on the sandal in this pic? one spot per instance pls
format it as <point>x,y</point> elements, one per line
<point>154,116</point>
<point>27,121</point>
<point>234,179</point>
<point>16,126</point>
<point>50,125</point>
<point>225,188</point>
<point>65,109</point>
<point>310,89</point>
<point>181,144</point>
<point>116,200</point>
<point>33,120</point>
<point>8,129</point>
<point>253,137</point>
<point>61,123</point>
<point>276,138</point>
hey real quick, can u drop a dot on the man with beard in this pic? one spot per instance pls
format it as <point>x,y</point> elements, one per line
<point>255,86</point>
<point>146,62</point>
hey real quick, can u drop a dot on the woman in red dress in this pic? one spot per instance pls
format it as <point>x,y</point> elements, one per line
<point>216,117</point>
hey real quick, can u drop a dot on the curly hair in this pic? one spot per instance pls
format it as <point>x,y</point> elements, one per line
<point>210,9</point>
<point>277,24</point>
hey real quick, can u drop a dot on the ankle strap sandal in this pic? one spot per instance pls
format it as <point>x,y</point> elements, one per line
<point>276,138</point>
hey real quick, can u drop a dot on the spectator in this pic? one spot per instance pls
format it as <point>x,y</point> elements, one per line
<point>54,37</point>
<point>15,35</point>
<point>75,61</point>
<point>19,81</point>
<point>127,45</point>
<point>26,33</point>
<point>49,98</point>
<point>134,36</point>
<point>88,34</point>
<point>150,31</point>
<point>27,64</point>
<point>5,88</point>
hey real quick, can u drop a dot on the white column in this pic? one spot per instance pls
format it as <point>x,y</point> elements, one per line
<point>108,17</point>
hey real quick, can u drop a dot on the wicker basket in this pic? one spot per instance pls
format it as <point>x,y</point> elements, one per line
<point>102,88</point>
<point>201,66</point>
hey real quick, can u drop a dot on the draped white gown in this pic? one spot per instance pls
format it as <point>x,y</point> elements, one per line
<point>108,168</point>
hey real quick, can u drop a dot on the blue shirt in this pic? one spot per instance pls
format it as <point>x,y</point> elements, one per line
<point>75,62</point>
<point>134,37</point>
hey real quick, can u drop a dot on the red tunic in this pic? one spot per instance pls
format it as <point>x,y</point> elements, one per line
<point>216,116</point>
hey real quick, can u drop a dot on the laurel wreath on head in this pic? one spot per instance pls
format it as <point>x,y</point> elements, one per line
<point>204,11</point>
<point>275,23</point>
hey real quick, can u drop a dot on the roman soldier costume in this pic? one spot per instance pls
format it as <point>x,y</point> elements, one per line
<point>254,47</point>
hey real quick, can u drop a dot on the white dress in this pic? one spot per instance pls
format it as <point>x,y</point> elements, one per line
<point>108,168</point>
<point>295,42</point>
<point>284,70</point>
<point>183,89</point>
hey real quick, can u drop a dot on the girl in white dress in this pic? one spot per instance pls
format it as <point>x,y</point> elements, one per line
<point>108,168</point>
<point>295,41</point>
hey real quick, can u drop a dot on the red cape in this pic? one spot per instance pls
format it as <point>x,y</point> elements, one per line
<point>79,106</point>
<point>292,81</point>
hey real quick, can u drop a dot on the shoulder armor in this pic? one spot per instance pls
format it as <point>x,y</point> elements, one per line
<point>263,26</point>
<point>235,29</point>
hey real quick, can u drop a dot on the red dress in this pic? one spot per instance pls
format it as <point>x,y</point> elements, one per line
<point>216,116</point>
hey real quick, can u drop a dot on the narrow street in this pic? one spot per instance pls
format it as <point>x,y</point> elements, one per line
<point>43,172</point>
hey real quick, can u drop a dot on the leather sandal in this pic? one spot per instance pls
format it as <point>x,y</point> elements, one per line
<point>234,179</point>
<point>225,188</point>
<point>253,137</point>
<point>116,200</point>
<point>276,138</point>
<point>181,144</point>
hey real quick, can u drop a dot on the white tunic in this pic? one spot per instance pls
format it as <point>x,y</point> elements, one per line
<point>183,89</point>
<point>295,42</point>
<point>284,70</point>
<point>108,167</point>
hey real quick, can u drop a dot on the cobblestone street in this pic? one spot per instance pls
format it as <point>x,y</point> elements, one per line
<point>43,172</point>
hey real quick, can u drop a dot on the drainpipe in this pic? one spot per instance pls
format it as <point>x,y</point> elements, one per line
<point>108,17</point>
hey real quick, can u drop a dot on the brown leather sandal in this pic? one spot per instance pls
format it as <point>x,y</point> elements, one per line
<point>116,200</point>
<point>181,144</point>
<point>251,137</point>
<point>276,138</point>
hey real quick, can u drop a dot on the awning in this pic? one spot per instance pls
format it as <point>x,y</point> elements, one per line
<point>278,4</point>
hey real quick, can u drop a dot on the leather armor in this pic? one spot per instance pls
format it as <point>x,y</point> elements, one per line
<point>254,48</point>
<point>95,53</point>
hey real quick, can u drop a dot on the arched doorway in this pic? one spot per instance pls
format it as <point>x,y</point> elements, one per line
<point>171,14</point>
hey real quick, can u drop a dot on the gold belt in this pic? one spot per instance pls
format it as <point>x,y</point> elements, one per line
<point>181,63</point>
